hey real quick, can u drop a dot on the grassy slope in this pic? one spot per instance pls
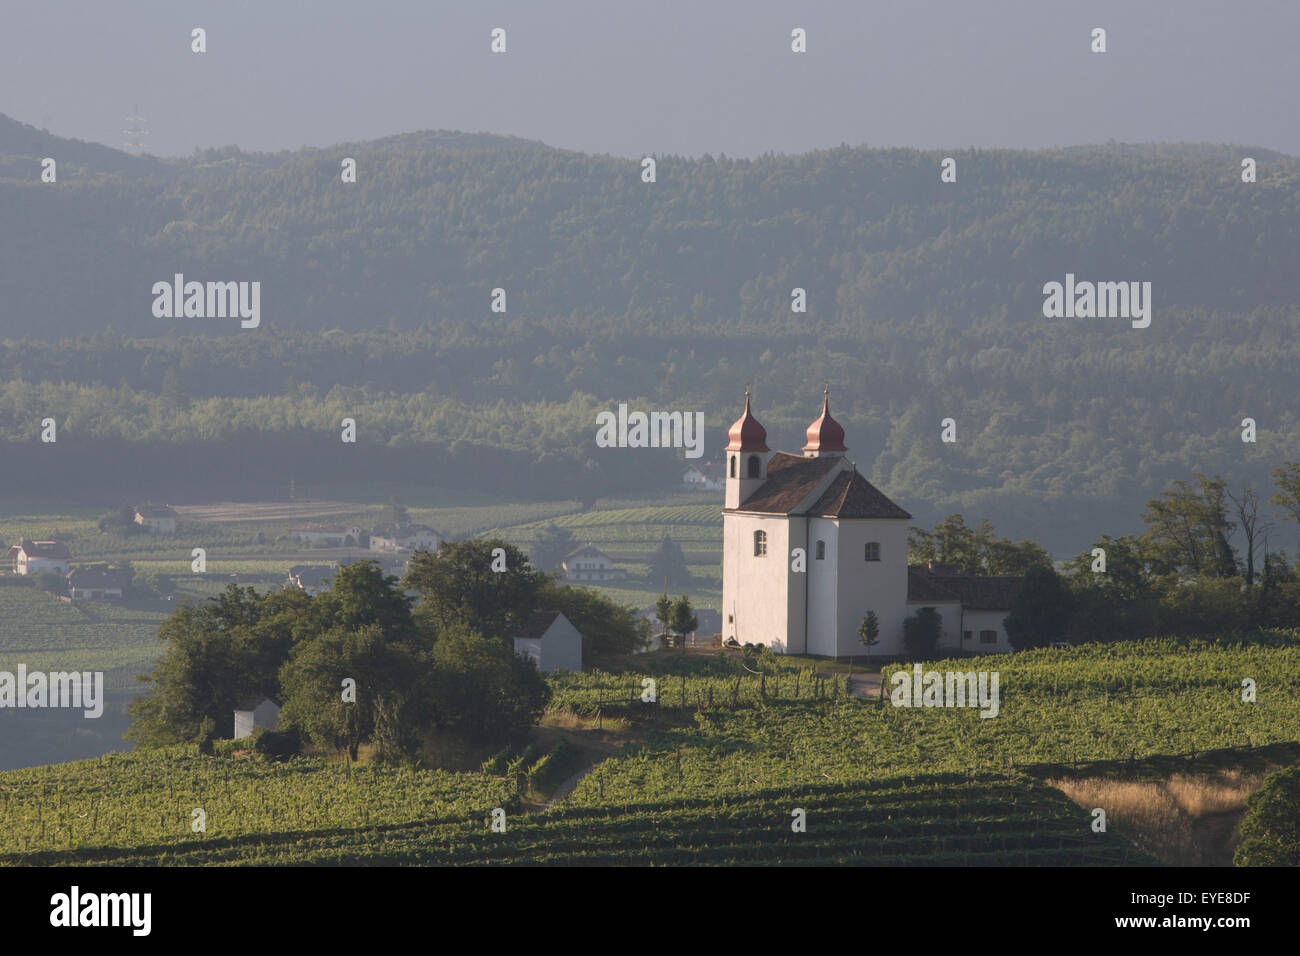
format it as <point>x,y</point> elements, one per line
<point>880,784</point>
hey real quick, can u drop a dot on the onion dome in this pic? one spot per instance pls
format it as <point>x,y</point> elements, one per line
<point>825,434</point>
<point>747,434</point>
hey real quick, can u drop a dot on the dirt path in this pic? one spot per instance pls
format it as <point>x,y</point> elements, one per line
<point>865,685</point>
<point>564,789</point>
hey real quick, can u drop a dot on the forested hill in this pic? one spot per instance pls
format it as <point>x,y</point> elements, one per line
<point>924,303</point>
<point>437,220</point>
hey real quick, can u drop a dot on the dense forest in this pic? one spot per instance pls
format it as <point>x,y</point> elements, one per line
<point>924,303</point>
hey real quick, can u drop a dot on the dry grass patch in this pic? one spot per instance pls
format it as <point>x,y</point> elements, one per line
<point>1185,820</point>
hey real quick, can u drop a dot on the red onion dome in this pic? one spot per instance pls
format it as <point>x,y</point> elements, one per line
<point>747,434</point>
<point>825,434</point>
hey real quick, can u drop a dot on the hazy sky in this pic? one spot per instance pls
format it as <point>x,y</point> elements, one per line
<point>670,76</point>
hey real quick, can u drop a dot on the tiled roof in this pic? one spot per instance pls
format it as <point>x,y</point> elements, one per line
<point>586,549</point>
<point>977,592</point>
<point>852,496</point>
<point>45,549</point>
<point>97,576</point>
<point>399,531</point>
<point>924,586</point>
<point>790,479</point>
<point>538,623</point>
<point>155,511</point>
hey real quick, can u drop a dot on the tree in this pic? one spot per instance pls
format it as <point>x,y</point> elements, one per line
<point>120,521</point>
<point>1271,825</point>
<point>684,620</point>
<point>1040,611</point>
<point>1246,508</point>
<point>395,512</point>
<point>361,594</point>
<point>174,396</point>
<point>1286,496</point>
<point>668,566</point>
<point>869,631</point>
<point>459,588</point>
<point>385,676</point>
<point>484,692</point>
<point>201,675</point>
<point>552,546</point>
<point>921,633</point>
<point>664,612</point>
<point>1188,528</point>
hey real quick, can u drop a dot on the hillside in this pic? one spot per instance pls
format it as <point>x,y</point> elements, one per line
<point>437,219</point>
<point>704,781</point>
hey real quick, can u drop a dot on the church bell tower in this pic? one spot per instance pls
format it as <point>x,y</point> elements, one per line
<point>747,453</point>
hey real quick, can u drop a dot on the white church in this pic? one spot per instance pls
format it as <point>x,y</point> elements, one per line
<point>854,543</point>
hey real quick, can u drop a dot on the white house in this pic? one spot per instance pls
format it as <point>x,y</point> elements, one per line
<point>96,582</point>
<point>159,519</point>
<point>589,563</point>
<point>551,641</point>
<point>312,578</point>
<point>702,478</point>
<point>33,557</point>
<point>809,546</point>
<point>329,535</point>
<point>404,537</point>
<point>254,712</point>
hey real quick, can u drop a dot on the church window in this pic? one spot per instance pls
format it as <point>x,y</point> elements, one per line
<point>733,466</point>
<point>872,551</point>
<point>988,637</point>
<point>755,466</point>
<point>760,544</point>
<point>821,550</point>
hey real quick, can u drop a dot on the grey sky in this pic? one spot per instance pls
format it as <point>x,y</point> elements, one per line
<point>672,76</point>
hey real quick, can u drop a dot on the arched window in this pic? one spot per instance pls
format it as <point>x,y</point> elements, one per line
<point>821,550</point>
<point>760,544</point>
<point>754,466</point>
<point>733,466</point>
<point>872,551</point>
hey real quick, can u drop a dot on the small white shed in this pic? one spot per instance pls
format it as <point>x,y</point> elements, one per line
<point>253,713</point>
<point>552,641</point>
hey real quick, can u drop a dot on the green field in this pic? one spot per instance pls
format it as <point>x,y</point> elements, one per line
<point>712,784</point>
<point>39,630</point>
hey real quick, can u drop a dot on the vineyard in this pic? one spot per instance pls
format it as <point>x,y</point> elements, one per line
<point>933,821</point>
<point>694,527</point>
<point>39,630</point>
<point>147,800</point>
<point>690,683</point>
<point>719,783</point>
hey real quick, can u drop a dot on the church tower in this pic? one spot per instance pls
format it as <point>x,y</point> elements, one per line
<point>746,457</point>
<point>825,437</point>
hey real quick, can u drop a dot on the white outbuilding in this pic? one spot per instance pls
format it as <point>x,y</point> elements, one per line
<point>551,641</point>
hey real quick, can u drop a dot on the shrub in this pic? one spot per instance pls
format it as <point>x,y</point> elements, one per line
<point>278,744</point>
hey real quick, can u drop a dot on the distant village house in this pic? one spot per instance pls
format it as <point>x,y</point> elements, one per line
<point>97,582</point>
<point>158,519</point>
<point>589,563</point>
<point>330,535</point>
<point>404,537</point>
<point>312,578</point>
<point>34,557</point>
